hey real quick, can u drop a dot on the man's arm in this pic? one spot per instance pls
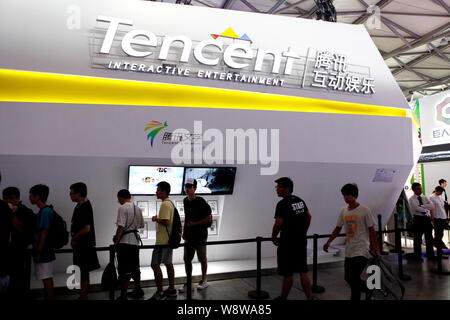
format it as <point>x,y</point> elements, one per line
<point>164,222</point>
<point>308,219</point>
<point>276,230</point>
<point>82,232</point>
<point>427,203</point>
<point>373,240</point>
<point>333,236</point>
<point>415,207</point>
<point>41,245</point>
<point>164,215</point>
<point>118,235</point>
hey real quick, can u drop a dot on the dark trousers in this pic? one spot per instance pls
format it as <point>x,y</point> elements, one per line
<point>422,225</point>
<point>439,227</point>
<point>19,285</point>
<point>353,269</point>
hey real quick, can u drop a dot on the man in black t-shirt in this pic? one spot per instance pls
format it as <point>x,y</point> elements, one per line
<point>292,219</point>
<point>83,236</point>
<point>22,235</point>
<point>197,220</point>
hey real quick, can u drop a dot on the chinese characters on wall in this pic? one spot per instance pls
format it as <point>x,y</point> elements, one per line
<point>331,72</point>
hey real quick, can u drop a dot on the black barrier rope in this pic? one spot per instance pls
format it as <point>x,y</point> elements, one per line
<point>259,293</point>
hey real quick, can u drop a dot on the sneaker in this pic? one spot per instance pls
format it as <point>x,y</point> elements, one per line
<point>137,293</point>
<point>170,293</point>
<point>122,298</point>
<point>157,296</point>
<point>202,285</point>
<point>184,288</point>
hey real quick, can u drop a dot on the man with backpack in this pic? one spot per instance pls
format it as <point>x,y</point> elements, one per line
<point>44,255</point>
<point>127,241</point>
<point>22,235</point>
<point>164,225</point>
<point>197,220</point>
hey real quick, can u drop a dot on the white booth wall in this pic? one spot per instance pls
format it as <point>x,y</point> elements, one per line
<point>61,143</point>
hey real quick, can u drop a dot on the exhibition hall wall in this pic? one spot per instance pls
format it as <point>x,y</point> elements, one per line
<point>50,137</point>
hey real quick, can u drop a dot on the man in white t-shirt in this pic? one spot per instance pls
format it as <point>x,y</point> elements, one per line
<point>161,255</point>
<point>438,217</point>
<point>360,238</point>
<point>127,241</point>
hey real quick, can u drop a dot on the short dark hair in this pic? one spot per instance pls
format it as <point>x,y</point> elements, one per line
<point>11,192</point>
<point>124,193</point>
<point>441,181</point>
<point>41,191</point>
<point>350,189</point>
<point>286,182</point>
<point>164,186</point>
<point>415,185</point>
<point>79,187</point>
<point>439,189</point>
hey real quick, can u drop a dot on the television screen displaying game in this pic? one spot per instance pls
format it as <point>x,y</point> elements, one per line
<point>142,180</point>
<point>216,180</point>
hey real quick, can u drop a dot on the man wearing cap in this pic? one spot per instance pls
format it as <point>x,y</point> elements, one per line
<point>197,220</point>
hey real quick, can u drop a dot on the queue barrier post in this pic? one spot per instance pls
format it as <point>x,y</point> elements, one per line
<point>112,253</point>
<point>315,287</point>
<point>380,235</point>
<point>398,249</point>
<point>188,277</point>
<point>258,294</point>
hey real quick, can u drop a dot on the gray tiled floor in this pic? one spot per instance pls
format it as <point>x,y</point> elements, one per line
<point>423,286</point>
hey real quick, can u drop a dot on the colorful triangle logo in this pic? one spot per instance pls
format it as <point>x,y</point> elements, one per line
<point>230,33</point>
<point>245,37</point>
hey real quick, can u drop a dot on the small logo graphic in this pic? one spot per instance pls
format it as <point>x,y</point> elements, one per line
<point>154,127</point>
<point>230,33</point>
<point>443,111</point>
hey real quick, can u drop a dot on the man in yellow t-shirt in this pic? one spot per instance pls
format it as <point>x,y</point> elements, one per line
<point>163,221</point>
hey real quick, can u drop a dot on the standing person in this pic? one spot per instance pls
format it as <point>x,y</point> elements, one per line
<point>361,237</point>
<point>438,217</point>
<point>164,222</point>
<point>127,241</point>
<point>44,255</point>
<point>443,185</point>
<point>420,207</point>
<point>83,236</point>
<point>197,219</point>
<point>5,236</point>
<point>292,219</point>
<point>22,235</point>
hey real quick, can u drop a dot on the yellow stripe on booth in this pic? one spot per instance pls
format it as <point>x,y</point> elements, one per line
<point>28,86</point>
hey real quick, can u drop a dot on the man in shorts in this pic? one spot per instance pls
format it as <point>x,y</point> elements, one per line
<point>127,241</point>
<point>43,253</point>
<point>160,255</point>
<point>292,219</point>
<point>197,219</point>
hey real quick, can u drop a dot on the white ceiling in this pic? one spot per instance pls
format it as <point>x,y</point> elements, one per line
<point>413,35</point>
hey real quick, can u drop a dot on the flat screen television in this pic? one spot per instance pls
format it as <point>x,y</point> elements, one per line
<point>212,180</point>
<point>142,180</point>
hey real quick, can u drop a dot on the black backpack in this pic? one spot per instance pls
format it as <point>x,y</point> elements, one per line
<point>58,234</point>
<point>175,235</point>
<point>109,277</point>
